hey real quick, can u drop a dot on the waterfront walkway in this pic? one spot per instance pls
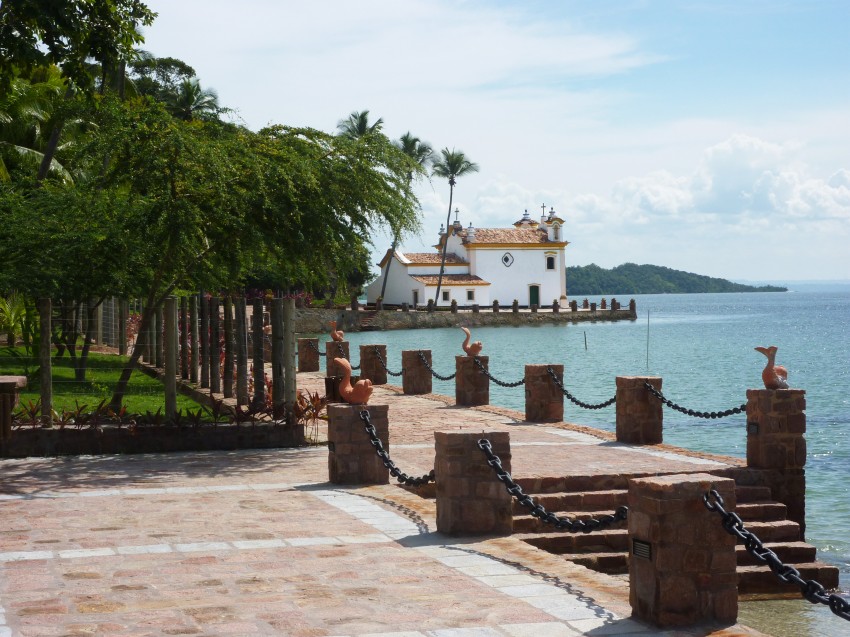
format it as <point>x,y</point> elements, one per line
<point>259,543</point>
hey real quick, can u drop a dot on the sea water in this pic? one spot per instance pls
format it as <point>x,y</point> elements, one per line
<point>701,345</point>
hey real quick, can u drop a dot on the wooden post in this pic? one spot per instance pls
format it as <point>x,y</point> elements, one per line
<point>45,311</point>
<point>241,327</point>
<point>159,350</point>
<point>98,325</point>
<point>215,346</point>
<point>259,399</point>
<point>277,358</point>
<point>195,331</point>
<point>170,338</point>
<point>227,372</point>
<point>123,315</point>
<point>289,350</point>
<point>205,341</point>
<point>184,338</point>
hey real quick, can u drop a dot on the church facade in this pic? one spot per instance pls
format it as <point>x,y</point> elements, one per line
<point>526,263</point>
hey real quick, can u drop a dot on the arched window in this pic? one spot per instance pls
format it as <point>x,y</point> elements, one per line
<point>550,263</point>
<point>557,233</point>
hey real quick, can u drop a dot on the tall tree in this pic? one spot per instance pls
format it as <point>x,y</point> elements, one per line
<point>190,102</point>
<point>451,165</point>
<point>421,154</point>
<point>357,125</point>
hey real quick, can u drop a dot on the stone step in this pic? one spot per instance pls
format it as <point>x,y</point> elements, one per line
<point>752,494</point>
<point>760,580</point>
<point>774,530</point>
<point>576,483</point>
<point>761,511</point>
<point>531,524</point>
<point>578,501</point>
<point>609,540</point>
<point>788,552</point>
<point>612,563</point>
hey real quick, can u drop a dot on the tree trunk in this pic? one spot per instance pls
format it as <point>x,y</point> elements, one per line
<point>445,244</point>
<point>227,373</point>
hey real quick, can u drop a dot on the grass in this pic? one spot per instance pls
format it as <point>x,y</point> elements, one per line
<point>144,394</point>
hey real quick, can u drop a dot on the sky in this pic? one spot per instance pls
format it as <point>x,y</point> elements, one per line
<point>710,136</point>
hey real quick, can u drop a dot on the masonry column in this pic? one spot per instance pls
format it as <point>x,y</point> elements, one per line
<point>308,355</point>
<point>370,366</point>
<point>544,402</point>
<point>776,445</point>
<point>415,377</point>
<point>682,567</point>
<point>351,456</point>
<point>640,418</point>
<point>470,498</point>
<point>472,387</point>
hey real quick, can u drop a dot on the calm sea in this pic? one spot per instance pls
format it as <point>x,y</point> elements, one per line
<point>702,347</point>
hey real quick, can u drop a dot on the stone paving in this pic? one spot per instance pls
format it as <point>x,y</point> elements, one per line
<point>259,543</point>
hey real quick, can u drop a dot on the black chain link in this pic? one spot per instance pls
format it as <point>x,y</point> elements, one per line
<point>342,355</point>
<point>316,349</point>
<point>430,369</point>
<point>575,400</point>
<point>692,412</point>
<point>384,364</point>
<point>395,472</point>
<point>573,526</point>
<point>810,589</point>
<point>487,373</point>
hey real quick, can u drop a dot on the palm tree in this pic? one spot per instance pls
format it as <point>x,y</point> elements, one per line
<point>190,101</point>
<point>453,164</point>
<point>422,154</point>
<point>357,125</point>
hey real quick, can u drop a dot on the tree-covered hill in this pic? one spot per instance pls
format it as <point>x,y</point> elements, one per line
<point>631,278</point>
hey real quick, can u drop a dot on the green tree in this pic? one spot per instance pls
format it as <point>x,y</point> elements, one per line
<point>189,101</point>
<point>357,125</point>
<point>451,165</point>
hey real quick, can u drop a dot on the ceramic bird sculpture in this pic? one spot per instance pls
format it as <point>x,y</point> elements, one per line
<point>471,349</point>
<point>336,335</point>
<point>357,394</point>
<point>774,376</point>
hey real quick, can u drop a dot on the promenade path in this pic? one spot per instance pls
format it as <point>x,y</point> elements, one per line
<point>259,543</point>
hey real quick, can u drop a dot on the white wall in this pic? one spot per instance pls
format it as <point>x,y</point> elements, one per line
<point>528,268</point>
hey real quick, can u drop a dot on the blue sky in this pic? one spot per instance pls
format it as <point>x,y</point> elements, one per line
<point>706,136</point>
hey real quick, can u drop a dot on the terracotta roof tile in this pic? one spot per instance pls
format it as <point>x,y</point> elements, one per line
<point>451,279</point>
<point>432,257</point>
<point>510,235</point>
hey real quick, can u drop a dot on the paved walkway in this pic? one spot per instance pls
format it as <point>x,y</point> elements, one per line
<point>259,543</point>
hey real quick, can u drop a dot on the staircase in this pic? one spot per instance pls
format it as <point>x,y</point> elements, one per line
<point>366,319</point>
<point>607,551</point>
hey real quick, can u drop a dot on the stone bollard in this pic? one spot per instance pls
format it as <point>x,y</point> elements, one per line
<point>9,387</point>
<point>334,350</point>
<point>405,307</point>
<point>308,355</point>
<point>370,366</point>
<point>454,306</point>
<point>470,498</point>
<point>544,402</point>
<point>593,307</point>
<point>573,306</point>
<point>351,456</point>
<point>555,307</point>
<point>682,566</point>
<point>603,304</point>
<point>476,309</point>
<point>640,415</point>
<point>534,307</point>
<point>415,377</point>
<point>632,306</point>
<point>495,307</point>
<point>355,304</point>
<point>472,387</point>
<point>776,446</point>
<point>515,306</point>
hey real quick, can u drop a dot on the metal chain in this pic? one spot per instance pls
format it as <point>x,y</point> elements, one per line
<point>575,400</point>
<point>810,589</point>
<point>430,369</point>
<point>487,373</point>
<point>342,355</point>
<point>384,364</point>
<point>573,526</point>
<point>313,345</point>
<point>395,472</point>
<point>691,412</point>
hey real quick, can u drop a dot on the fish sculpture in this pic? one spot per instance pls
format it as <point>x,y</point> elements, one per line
<point>471,349</point>
<point>774,376</point>
<point>357,394</point>
<point>336,335</point>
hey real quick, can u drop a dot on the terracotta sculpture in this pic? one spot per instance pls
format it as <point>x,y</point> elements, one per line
<point>336,334</point>
<point>774,376</point>
<point>471,349</point>
<point>357,394</point>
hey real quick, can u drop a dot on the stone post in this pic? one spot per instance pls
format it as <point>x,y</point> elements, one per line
<point>290,384</point>
<point>240,326</point>
<point>682,567</point>
<point>215,345</point>
<point>472,387</point>
<point>333,351</point>
<point>308,355</point>
<point>776,446</point>
<point>640,418</point>
<point>258,400</point>
<point>544,402</point>
<point>415,377</point>
<point>227,367</point>
<point>351,457</point>
<point>470,498</point>
<point>9,386</point>
<point>573,306</point>
<point>370,366</point>
<point>278,400</point>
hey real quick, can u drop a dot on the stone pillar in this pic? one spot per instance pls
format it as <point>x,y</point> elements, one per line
<point>308,355</point>
<point>544,402</point>
<point>470,498</point>
<point>682,567</point>
<point>370,366</point>
<point>9,387</point>
<point>472,387</point>
<point>415,377</point>
<point>351,457</point>
<point>640,417</point>
<point>334,350</point>
<point>776,424</point>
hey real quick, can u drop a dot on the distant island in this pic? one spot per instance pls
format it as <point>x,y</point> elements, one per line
<point>631,278</point>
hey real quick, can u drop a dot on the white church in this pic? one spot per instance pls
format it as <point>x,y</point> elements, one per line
<point>525,263</point>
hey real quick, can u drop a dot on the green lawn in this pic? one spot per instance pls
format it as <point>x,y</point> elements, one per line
<point>144,394</point>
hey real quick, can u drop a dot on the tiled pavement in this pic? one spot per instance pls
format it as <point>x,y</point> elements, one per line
<point>259,543</point>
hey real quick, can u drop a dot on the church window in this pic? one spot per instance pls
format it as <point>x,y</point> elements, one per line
<point>445,295</point>
<point>470,295</point>
<point>550,263</point>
